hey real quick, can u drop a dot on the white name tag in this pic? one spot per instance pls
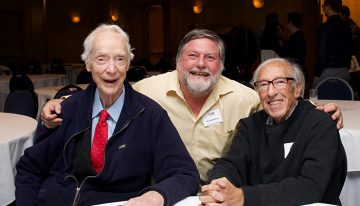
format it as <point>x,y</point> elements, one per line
<point>287,148</point>
<point>212,117</point>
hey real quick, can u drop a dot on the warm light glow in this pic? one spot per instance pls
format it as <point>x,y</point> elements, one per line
<point>114,17</point>
<point>75,19</point>
<point>197,8</point>
<point>258,3</point>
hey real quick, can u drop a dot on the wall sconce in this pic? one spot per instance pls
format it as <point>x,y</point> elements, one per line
<point>197,8</point>
<point>114,17</point>
<point>258,3</point>
<point>75,19</point>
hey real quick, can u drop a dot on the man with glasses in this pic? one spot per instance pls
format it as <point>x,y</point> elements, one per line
<point>288,154</point>
<point>204,105</point>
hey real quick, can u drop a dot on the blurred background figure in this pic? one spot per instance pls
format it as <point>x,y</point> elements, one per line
<point>241,53</point>
<point>355,30</point>
<point>294,47</point>
<point>269,39</point>
<point>334,45</point>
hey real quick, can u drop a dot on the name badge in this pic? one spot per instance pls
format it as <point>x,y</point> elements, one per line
<point>212,117</point>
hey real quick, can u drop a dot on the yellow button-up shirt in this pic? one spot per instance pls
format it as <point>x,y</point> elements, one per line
<point>205,142</point>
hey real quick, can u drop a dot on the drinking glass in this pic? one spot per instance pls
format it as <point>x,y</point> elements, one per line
<point>313,95</point>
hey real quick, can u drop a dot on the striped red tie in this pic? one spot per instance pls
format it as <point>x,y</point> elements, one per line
<point>99,142</point>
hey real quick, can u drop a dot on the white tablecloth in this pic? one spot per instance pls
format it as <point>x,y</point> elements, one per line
<point>73,70</point>
<point>350,137</point>
<point>45,93</point>
<point>16,134</point>
<point>42,80</point>
<point>189,201</point>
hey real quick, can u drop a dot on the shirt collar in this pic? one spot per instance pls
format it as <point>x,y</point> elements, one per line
<point>115,109</point>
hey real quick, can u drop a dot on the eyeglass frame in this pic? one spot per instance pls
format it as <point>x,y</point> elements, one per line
<point>287,79</point>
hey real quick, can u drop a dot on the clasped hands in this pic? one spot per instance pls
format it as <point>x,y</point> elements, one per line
<point>221,192</point>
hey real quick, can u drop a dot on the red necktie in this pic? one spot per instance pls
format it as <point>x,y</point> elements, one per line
<point>99,142</point>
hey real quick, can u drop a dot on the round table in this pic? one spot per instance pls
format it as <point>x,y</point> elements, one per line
<point>73,70</point>
<point>17,133</point>
<point>350,138</point>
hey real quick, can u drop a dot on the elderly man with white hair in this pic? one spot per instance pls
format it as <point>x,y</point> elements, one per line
<point>114,143</point>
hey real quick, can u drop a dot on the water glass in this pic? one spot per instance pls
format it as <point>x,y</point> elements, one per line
<point>313,95</point>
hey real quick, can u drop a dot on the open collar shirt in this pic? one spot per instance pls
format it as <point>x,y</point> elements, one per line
<point>205,140</point>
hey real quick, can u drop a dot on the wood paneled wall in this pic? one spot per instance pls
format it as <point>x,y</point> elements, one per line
<point>47,32</point>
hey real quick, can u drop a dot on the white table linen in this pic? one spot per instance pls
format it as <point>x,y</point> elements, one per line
<point>41,80</point>
<point>73,70</point>
<point>350,137</point>
<point>16,134</point>
<point>190,201</point>
<point>45,93</point>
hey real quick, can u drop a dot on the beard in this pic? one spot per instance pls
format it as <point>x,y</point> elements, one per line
<point>202,83</point>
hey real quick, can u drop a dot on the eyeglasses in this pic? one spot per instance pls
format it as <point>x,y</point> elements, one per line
<point>104,61</point>
<point>279,83</point>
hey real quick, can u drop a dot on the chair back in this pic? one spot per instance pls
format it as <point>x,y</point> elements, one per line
<point>334,88</point>
<point>84,77</point>
<point>4,70</point>
<point>266,54</point>
<point>67,90</point>
<point>20,82</point>
<point>136,73</point>
<point>57,67</point>
<point>23,102</point>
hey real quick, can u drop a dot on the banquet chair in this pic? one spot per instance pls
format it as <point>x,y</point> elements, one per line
<point>4,70</point>
<point>334,88</point>
<point>20,82</point>
<point>266,54</point>
<point>136,73</point>
<point>23,102</point>
<point>84,77</point>
<point>67,90</point>
<point>57,67</point>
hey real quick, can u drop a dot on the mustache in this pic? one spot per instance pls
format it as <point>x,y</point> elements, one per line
<point>204,70</point>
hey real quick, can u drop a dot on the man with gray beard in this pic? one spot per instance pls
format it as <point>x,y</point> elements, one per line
<point>203,105</point>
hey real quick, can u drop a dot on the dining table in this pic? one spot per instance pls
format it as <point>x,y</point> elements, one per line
<point>350,138</point>
<point>191,201</point>
<point>38,80</point>
<point>46,93</point>
<point>16,134</point>
<point>73,70</point>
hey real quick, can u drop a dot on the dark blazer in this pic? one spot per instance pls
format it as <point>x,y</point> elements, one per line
<point>145,146</point>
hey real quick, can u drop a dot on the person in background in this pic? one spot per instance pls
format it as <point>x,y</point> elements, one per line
<point>112,144</point>
<point>355,30</point>
<point>294,47</point>
<point>276,159</point>
<point>203,105</point>
<point>334,45</point>
<point>271,36</point>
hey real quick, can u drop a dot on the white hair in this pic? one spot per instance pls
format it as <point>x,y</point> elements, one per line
<point>89,41</point>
